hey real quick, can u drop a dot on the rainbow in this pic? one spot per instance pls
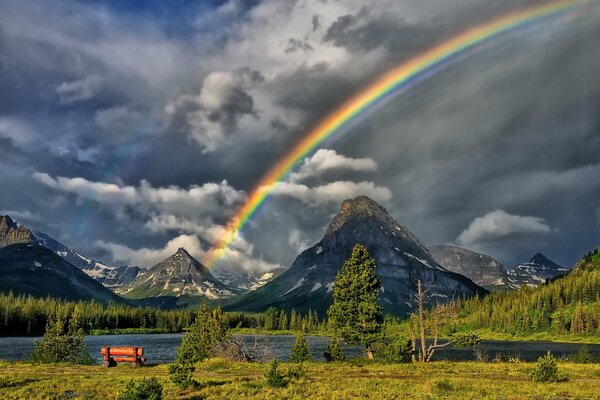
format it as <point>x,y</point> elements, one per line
<point>400,77</point>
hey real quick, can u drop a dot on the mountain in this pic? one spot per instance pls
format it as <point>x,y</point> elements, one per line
<point>566,305</point>
<point>10,233</point>
<point>109,276</point>
<point>480,268</point>
<point>31,269</point>
<point>248,281</point>
<point>535,272</point>
<point>400,257</point>
<point>179,275</point>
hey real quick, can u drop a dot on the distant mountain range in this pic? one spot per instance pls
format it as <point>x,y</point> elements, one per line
<point>401,261</point>
<point>32,262</point>
<point>112,277</point>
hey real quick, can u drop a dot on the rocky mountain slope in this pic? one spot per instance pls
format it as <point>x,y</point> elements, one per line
<point>109,276</point>
<point>535,272</point>
<point>248,281</point>
<point>31,269</point>
<point>10,233</point>
<point>480,268</point>
<point>179,275</point>
<point>400,257</point>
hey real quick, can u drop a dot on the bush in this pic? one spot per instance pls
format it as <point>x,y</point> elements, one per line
<point>583,356</point>
<point>208,330</point>
<point>300,352</point>
<point>296,372</point>
<point>334,351</point>
<point>62,342</point>
<point>546,370</point>
<point>181,372</point>
<point>397,351</point>
<point>146,389</point>
<point>274,377</point>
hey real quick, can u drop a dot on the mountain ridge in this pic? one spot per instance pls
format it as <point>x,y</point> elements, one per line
<point>401,260</point>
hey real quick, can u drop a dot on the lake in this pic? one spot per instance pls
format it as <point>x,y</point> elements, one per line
<point>161,348</point>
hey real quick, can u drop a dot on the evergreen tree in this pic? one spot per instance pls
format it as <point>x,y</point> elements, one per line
<point>62,342</point>
<point>354,312</point>
<point>334,351</point>
<point>198,344</point>
<point>300,352</point>
<point>207,330</point>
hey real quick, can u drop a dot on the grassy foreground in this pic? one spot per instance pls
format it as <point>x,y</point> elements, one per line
<point>221,379</point>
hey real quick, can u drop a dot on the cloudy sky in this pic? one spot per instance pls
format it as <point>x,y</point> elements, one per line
<point>129,128</point>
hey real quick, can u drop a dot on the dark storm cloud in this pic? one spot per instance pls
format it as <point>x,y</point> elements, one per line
<point>118,96</point>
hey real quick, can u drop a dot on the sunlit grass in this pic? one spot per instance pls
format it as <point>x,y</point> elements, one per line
<point>359,379</point>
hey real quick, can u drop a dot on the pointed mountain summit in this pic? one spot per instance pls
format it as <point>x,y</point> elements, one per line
<point>536,271</point>
<point>401,260</point>
<point>480,268</point>
<point>179,275</point>
<point>10,233</point>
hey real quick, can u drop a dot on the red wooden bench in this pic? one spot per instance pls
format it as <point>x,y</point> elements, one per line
<point>131,354</point>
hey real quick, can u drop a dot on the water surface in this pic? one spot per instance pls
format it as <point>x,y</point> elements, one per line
<point>161,348</point>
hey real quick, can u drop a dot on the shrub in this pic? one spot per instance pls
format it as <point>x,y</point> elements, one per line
<point>546,370</point>
<point>396,351</point>
<point>466,339</point>
<point>334,351</point>
<point>583,356</point>
<point>146,389</point>
<point>300,352</point>
<point>274,377</point>
<point>62,342</point>
<point>296,372</point>
<point>181,372</point>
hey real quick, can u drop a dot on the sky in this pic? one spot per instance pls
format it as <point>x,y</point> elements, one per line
<point>129,129</point>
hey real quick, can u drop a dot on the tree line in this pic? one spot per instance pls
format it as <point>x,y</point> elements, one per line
<point>566,305</point>
<point>28,316</point>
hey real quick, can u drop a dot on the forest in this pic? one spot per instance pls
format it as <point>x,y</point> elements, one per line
<point>567,305</point>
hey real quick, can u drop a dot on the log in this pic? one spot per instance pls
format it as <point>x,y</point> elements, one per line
<point>123,351</point>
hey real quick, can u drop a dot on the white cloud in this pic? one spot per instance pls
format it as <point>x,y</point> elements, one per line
<point>79,90</point>
<point>332,192</point>
<point>325,160</point>
<point>210,199</point>
<point>214,113</point>
<point>190,212</point>
<point>147,257</point>
<point>499,224</point>
<point>298,240</point>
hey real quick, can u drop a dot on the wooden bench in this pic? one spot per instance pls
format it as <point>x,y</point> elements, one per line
<point>131,354</point>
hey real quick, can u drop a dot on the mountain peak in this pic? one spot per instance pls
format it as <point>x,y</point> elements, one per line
<point>10,233</point>
<point>183,252</point>
<point>6,222</point>
<point>179,274</point>
<point>359,207</point>
<point>539,258</point>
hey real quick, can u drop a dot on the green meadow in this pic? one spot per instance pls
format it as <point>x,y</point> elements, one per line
<point>357,379</point>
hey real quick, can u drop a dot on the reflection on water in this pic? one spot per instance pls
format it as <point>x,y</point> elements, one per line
<point>163,347</point>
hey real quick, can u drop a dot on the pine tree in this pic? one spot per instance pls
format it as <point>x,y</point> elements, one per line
<point>199,343</point>
<point>334,351</point>
<point>300,352</point>
<point>354,312</point>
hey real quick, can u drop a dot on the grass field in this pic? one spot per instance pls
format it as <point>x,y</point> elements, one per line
<point>221,379</point>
